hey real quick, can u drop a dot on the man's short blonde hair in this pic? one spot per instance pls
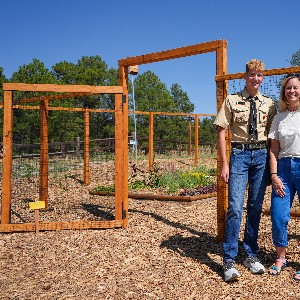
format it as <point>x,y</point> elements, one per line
<point>255,64</point>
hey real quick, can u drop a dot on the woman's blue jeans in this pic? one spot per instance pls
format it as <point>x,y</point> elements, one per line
<point>288,170</point>
<point>246,167</point>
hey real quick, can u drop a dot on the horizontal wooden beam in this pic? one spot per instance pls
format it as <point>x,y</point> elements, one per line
<point>138,112</point>
<point>75,109</point>
<point>79,109</point>
<point>25,227</point>
<point>173,53</point>
<point>26,87</point>
<point>271,72</point>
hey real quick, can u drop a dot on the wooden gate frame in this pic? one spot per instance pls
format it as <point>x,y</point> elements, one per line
<point>8,89</point>
<point>218,46</point>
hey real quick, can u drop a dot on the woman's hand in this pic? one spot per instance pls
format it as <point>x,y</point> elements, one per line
<point>278,186</point>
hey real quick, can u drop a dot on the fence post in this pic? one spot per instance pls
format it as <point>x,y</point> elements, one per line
<point>151,134</point>
<point>44,152</point>
<point>78,146</point>
<point>86,146</point>
<point>222,188</point>
<point>190,138</point>
<point>179,150</point>
<point>7,158</point>
<point>196,138</point>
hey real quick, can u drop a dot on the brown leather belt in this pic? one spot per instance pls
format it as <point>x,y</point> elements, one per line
<point>256,146</point>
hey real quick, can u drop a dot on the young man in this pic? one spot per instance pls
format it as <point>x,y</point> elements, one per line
<point>248,114</point>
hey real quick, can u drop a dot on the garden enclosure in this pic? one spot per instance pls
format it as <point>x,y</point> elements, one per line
<point>43,170</point>
<point>121,135</point>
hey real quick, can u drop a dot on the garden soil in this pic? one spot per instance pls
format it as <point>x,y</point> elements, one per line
<point>169,250</point>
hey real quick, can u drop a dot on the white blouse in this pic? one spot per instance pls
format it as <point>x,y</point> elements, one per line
<point>286,129</point>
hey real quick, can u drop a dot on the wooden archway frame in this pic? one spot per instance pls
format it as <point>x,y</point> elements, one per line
<point>218,46</point>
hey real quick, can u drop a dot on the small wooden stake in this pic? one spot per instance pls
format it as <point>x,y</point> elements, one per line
<point>36,219</point>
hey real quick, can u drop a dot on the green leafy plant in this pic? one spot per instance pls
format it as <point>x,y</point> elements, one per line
<point>187,179</point>
<point>171,179</point>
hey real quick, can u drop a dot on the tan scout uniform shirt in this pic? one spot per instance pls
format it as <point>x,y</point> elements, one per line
<point>235,111</point>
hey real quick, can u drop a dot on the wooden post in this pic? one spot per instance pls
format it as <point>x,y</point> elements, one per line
<point>190,139</point>
<point>7,158</point>
<point>196,138</point>
<point>78,146</point>
<point>222,189</point>
<point>44,159</point>
<point>121,149</point>
<point>151,142</point>
<point>124,82</point>
<point>37,221</point>
<point>86,148</point>
<point>118,157</point>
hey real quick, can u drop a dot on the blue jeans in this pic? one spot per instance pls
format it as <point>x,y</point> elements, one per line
<point>246,167</point>
<point>288,169</point>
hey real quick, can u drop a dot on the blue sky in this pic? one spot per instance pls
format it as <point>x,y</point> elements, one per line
<point>57,30</point>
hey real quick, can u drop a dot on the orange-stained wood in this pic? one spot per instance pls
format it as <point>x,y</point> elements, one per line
<point>196,139</point>
<point>72,225</point>
<point>119,157</point>
<point>7,158</point>
<point>222,189</point>
<point>171,54</point>
<point>151,141</point>
<point>44,155</point>
<point>86,148</point>
<point>190,138</point>
<point>76,109</point>
<point>167,113</point>
<point>124,83</point>
<point>27,87</point>
<point>271,72</point>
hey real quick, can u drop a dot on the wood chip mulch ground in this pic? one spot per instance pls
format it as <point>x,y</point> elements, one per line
<point>169,250</point>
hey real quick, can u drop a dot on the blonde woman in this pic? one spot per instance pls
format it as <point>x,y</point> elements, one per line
<point>284,167</point>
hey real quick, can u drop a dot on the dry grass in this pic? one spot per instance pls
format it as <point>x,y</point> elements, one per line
<point>169,251</point>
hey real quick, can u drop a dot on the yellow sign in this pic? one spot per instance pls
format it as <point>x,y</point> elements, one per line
<point>37,205</point>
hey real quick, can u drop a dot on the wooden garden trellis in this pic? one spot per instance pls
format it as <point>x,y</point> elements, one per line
<point>121,135</point>
<point>220,48</point>
<point>8,89</point>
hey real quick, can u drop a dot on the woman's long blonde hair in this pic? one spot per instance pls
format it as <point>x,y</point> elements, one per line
<point>283,103</point>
